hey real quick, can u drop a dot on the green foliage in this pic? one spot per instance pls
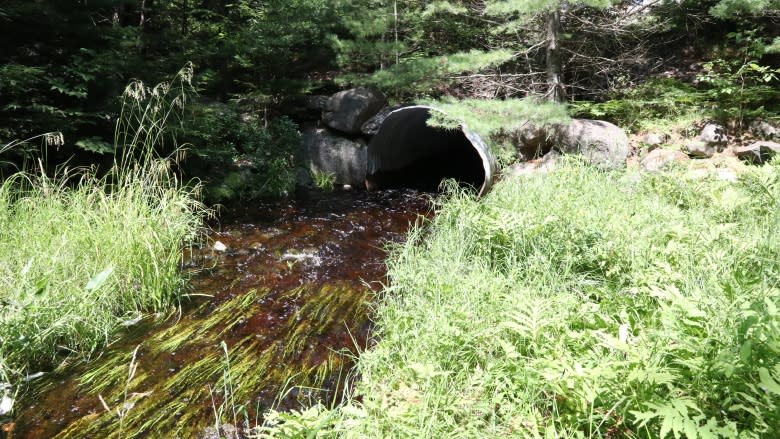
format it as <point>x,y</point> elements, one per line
<point>729,90</point>
<point>491,119</point>
<point>323,179</point>
<point>66,281</point>
<point>421,76</point>
<point>773,47</point>
<point>487,116</point>
<point>739,86</point>
<point>67,64</point>
<point>240,157</point>
<point>655,100</point>
<point>580,304</point>
<point>405,47</point>
<point>731,8</point>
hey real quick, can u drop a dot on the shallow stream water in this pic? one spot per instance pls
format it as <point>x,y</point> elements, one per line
<point>273,322</point>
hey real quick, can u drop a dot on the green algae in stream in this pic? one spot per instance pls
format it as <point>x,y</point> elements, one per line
<point>304,347</point>
<point>111,373</point>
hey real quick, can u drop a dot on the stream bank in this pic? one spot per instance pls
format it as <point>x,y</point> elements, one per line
<point>280,312</point>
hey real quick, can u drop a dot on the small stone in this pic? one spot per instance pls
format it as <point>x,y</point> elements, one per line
<point>219,247</point>
<point>6,405</point>
<point>700,149</point>
<point>542,166</point>
<point>653,139</point>
<point>710,140</point>
<point>659,159</point>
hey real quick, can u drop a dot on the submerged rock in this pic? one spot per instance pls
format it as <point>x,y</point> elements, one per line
<point>6,405</point>
<point>225,431</point>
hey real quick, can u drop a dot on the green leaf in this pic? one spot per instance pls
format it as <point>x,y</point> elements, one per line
<point>768,382</point>
<point>99,279</point>
<point>746,350</point>
<point>95,144</point>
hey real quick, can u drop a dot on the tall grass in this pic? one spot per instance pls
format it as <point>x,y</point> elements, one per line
<point>580,304</point>
<point>81,253</point>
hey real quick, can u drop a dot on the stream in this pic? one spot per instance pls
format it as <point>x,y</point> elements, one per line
<point>272,322</point>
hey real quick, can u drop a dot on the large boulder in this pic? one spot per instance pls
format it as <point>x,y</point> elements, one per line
<point>348,110</point>
<point>600,143</point>
<point>326,152</point>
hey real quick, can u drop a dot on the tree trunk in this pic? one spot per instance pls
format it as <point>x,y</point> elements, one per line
<point>184,18</point>
<point>555,90</point>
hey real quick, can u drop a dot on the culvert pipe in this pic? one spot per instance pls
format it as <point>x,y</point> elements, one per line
<point>406,152</point>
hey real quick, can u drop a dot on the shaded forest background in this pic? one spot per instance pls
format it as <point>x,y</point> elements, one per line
<point>64,65</point>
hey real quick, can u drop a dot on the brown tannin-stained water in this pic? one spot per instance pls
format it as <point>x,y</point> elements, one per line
<point>280,312</point>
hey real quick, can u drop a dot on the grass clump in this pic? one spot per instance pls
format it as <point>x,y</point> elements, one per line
<point>323,180</point>
<point>80,253</point>
<point>578,304</point>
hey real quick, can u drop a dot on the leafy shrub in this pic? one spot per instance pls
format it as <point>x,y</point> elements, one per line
<point>659,99</point>
<point>239,157</point>
<point>732,87</point>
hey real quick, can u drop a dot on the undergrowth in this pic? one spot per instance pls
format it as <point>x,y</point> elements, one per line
<point>578,304</point>
<point>81,253</point>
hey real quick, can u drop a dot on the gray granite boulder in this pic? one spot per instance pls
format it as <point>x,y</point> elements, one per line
<point>348,110</point>
<point>345,159</point>
<point>600,143</point>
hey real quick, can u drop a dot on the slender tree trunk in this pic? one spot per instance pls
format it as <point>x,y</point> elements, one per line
<point>143,16</point>
<point>555,90</point>
<point>395,29</point>
<point>184,18</point>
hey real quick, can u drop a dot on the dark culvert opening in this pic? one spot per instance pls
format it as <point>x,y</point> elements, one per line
<point>406,152</point>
